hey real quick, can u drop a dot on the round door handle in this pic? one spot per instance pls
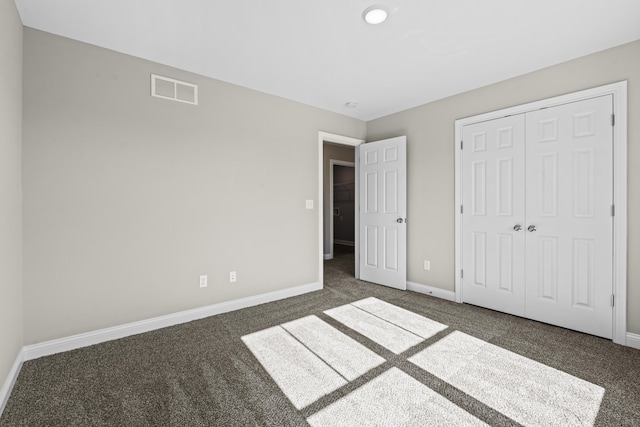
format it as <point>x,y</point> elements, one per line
<point>517,227</point>
<point>400,220</point>
<point>531,228</point>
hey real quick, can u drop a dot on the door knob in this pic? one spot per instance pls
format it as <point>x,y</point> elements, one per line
<point>531,228</point>
<point>400,220</point>
<point>517,227</point>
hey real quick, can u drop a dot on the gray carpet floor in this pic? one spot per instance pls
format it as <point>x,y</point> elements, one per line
<point>202,374</point>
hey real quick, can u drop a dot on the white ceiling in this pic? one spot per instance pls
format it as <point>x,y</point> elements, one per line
<point>322,53</point>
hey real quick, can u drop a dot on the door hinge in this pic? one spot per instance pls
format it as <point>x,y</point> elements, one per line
<point>461,209</point>
<point>613,210</point>
<point>612,300</point>
<point>613,120</point>
<point>461,273</point>
<point>461,144</point>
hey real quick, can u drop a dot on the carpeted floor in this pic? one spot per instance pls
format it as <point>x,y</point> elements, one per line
<point>471,366</point>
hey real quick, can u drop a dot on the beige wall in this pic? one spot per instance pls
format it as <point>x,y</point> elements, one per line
<point>10,187</point>
<point>430,128</point>
<point>332,152</point>
<point>129,198</point>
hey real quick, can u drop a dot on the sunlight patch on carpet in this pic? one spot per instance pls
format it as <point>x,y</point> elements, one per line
<point>524,390</point>
<point>300,374</point>
<point>342,353</point>
<point>376,329</point>
<point>393,399</point>
<point>308,358</point>
<point>412,322</point>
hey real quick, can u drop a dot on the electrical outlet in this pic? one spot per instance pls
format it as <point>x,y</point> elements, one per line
<point>232,277</point>
<point>203,281</point>
<point>427,264</point>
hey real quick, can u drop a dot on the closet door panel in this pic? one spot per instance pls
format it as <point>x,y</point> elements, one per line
<point>569,237</point>
<point>493,201</point>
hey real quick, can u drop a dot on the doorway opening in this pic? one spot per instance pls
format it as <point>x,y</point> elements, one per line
<point>339,212</point>
<point>342,212</point>
<point>337,161</point>
<point>342,204</point>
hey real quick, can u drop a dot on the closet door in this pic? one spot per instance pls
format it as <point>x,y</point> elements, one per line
<point>569,223</point>
<point>493,219</point>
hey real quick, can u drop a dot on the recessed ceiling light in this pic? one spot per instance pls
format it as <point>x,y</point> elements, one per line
<point>351,104</point>
<point>375,15</point>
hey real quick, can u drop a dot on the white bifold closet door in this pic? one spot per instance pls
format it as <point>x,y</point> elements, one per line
<point>537,221</point>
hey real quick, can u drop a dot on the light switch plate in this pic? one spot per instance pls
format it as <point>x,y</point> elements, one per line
<point>309,204</point>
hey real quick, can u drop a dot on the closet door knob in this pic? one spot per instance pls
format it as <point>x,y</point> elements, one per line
<point>517,227</point>
<point>531,228</point>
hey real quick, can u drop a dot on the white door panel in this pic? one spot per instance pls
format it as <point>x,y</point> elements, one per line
<point>569,187</point>
<point>493,200</point>
<point>383,200</point>
<point>551,172</point>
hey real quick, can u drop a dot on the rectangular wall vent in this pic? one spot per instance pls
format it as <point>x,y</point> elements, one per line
<point>175,90</point>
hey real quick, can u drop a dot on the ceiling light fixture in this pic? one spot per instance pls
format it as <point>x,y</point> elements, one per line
<point>375,15</point>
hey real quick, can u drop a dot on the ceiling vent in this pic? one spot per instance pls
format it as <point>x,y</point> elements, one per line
<point>175,90</point>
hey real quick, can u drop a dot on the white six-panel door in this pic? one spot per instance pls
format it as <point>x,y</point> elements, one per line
<point>569,187</point>
<point>493,218</point>
<point>382,180</point>
<point>537,230</point>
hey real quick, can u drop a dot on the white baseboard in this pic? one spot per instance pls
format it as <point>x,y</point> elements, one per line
<point>47,348</point>
<point>633,340</point>
<point>328,256</point>
<point>5,391</point>
<point>430,290</point>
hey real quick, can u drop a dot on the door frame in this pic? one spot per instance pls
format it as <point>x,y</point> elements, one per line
<point>340,140</point>
<point>619,92</point>
<point>332,163</point>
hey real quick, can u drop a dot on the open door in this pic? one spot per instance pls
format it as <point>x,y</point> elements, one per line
<point>382,181</point>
